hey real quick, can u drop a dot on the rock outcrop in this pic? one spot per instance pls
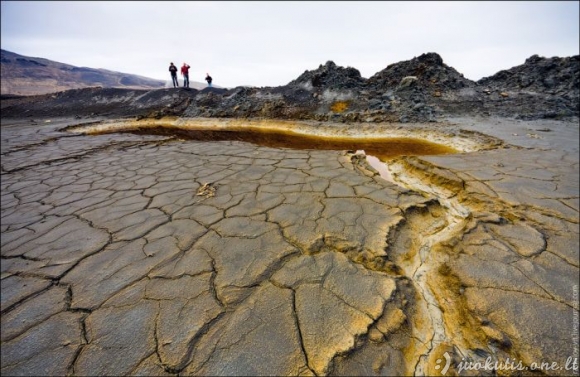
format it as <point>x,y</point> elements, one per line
<point>330,76</point>
<point>558,76</point>
<point>539,88</point>
<point>431,73</point>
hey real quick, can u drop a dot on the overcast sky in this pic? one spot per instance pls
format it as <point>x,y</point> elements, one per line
<point>272,43</point>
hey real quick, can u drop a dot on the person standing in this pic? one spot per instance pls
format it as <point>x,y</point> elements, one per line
<point>185,74</point>
<point>173,71</point>
<point>208,79</point>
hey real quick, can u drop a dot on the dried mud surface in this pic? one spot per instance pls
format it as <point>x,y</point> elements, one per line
<point>138,254</point>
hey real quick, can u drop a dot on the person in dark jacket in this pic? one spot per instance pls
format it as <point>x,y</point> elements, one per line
<point>185,74</point>
<point>208,79</point>
<point>173,71</point>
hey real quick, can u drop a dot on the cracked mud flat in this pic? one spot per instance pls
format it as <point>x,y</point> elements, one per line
<point>127,254</point>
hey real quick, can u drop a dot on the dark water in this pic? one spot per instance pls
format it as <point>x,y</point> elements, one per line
<point>382,148</point>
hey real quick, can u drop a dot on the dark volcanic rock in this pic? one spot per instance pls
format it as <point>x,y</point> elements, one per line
<point>539,88</point>
<point>100,102</point>
<point>541,75</point>
<point>213,90</point>
<point>330,76</point>
<point>431,73</point>
<point>422,88</point>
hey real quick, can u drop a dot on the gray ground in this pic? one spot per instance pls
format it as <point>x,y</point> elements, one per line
<point>138,255</point>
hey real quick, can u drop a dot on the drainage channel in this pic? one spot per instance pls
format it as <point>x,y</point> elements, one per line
<point>379,148</point>
<point>424,261</point>
<point>378,144</point>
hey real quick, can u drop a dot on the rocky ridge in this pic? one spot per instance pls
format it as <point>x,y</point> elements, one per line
<point>558,76</point>
<point>538,89</point>
<point>423,89</point>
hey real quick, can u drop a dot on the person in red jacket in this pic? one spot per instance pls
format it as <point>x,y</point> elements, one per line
<point>185,74</point>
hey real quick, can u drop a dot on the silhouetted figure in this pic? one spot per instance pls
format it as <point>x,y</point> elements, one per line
<point>185,74</point>
<point>208,79</point>
<point>173,70</point>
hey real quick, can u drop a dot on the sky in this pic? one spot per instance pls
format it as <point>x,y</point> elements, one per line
<point>261,43</point>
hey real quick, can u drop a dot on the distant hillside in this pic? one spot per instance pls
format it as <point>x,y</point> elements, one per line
<point>23,75</point>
